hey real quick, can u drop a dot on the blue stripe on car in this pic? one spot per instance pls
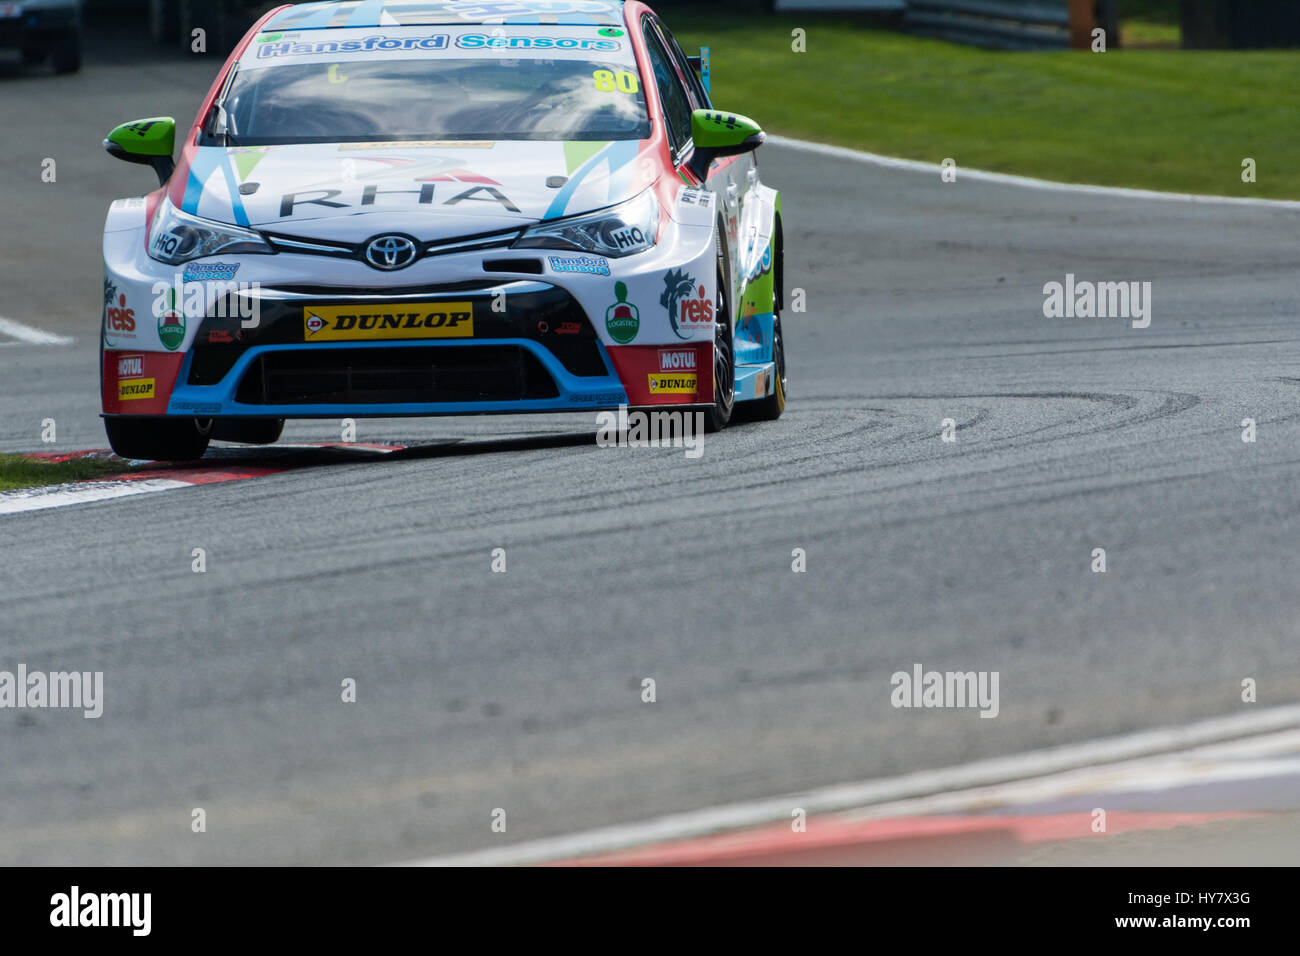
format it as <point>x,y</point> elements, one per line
<point>619,154</point>
<point>575,392</point>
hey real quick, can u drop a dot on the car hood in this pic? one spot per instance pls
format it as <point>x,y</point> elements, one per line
<point>348,192</point>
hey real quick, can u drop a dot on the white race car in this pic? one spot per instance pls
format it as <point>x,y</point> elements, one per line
<point>417,208</point>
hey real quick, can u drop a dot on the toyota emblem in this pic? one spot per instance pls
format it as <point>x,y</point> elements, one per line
<point>390,252</point>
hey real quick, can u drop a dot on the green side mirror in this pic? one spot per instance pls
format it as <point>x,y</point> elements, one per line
<point>717,134</point>
<point>146,141</point>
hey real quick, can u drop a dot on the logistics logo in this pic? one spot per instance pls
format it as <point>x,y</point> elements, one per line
<point>171,324</point>
<point>416,320</point>
<point>686,314</point>
<point>675,360</point>
<point>678,384</point>
<point>622,319</point>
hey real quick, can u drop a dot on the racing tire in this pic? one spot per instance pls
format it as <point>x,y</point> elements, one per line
<point>769,409</point>
<point>66,52</point>
<point>724,354</point>
<point>248,431</point>
<point>158,439</point>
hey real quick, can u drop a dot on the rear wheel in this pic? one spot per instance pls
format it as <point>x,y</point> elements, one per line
<point>249,431</point>
<point>159,439</point>
<point>770,408</point>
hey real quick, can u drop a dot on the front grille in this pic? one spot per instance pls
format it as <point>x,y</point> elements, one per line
<point>479,242</point>
<point>323,292</point>
<point>397,375</point>
<point>540,313</point>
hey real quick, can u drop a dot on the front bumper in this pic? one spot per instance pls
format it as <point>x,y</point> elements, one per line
<point>478,331</point>
<point>304,352</point>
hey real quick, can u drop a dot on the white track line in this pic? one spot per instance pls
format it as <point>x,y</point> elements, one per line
<point>856,796</point>
<point>1267,756</point>
<point>60,496</point>
<point>31,336</point>
<point>1025,182</point>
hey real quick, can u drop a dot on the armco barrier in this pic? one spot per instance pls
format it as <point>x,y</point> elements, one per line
<point>1006,24</point>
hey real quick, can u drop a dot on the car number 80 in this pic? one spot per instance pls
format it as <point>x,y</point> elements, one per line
<point>607,81</point>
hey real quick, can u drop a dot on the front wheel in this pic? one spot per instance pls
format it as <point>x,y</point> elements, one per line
<point>158,439</point>
<point>724,364</point>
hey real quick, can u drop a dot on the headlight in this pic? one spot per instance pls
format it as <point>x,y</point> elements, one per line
<point>178,237</point>
<point>621,230</point>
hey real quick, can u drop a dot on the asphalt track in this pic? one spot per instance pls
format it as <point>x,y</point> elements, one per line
<point>522,690</point>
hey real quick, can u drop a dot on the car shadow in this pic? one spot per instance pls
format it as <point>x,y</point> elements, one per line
<point>291,456</point>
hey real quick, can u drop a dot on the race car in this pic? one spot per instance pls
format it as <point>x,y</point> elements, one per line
<point>428,207</point>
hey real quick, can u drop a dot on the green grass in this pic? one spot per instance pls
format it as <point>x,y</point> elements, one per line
<point>1150,23</point>
<point>1147,35</point>
<point>1154,11</point>
<point>18,471</point>
<point>1173,120</point>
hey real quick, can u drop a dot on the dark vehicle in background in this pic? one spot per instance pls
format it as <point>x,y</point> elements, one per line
<point>41,30</point>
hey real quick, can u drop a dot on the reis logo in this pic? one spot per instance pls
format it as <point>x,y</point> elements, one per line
<point>689,309</point>
<point>120,318</point>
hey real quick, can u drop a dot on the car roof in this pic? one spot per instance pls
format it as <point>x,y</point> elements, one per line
<point>376,13</point>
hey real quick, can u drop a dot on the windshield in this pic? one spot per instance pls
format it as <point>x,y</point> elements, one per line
<point>428,99</point>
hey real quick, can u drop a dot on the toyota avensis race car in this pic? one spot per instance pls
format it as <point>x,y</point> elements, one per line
<point>415,207</point>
